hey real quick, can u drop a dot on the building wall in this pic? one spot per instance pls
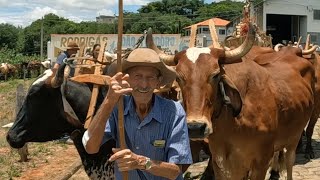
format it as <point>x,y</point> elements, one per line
<point>298,8</point>
<point>105,19</point>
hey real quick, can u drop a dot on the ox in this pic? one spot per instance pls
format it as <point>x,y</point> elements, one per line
<point>314,58</point>
<point>43,117</point>
<point>248,108</point>
<point>8,70</point>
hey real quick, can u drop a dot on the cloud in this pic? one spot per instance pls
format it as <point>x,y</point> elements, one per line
<point>106,12</point>
<point>3,2</point>
<point>23,13</point>
<point>39,12</point>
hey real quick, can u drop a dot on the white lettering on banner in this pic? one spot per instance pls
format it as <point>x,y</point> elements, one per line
<point>128,41</point>
<point>164,41</point>
<point>168,42</point>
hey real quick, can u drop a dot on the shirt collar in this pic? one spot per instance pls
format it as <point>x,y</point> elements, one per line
<point>155,112</point>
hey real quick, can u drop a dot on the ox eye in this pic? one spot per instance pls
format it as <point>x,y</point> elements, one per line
<point>213,77</point>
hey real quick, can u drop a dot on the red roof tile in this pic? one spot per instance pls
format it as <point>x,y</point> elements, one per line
<point>217,22</point>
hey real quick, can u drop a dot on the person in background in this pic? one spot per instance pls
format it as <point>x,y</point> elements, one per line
<point>155,128</point>
<point>94,53</point>
<point>71,50</point>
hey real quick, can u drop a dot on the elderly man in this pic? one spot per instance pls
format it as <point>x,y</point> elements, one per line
<point>155,128</point>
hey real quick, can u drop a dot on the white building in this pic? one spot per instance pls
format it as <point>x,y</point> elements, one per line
<point>203,32</point>
<point>106,19</point>
<point>289,19</point>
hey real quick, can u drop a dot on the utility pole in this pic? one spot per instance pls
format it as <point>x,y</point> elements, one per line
<point>41,41</point>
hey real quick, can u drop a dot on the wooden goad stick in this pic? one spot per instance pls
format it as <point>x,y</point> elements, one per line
<point>119,69</point>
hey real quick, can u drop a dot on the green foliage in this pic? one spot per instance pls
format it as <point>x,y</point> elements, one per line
<point>164,16</point>
<point>11,56</point>
<point>8,35</point>
<point>224,9</point>
<point>179,7</point>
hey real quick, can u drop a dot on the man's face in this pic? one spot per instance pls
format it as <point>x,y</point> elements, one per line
<point>143,81</point>
<point>72,51</point>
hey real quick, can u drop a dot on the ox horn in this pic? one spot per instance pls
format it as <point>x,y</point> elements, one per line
<point>299,41</point>
<point>57,80</point>
<point>310,51</point>
<point>167,59</point>
<point>243,49</point>
<point>278,47</point>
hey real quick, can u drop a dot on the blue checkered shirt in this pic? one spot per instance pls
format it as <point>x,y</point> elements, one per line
<point>166,121</point>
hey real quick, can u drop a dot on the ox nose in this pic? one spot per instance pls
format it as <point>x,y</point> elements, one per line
<point>197,130</point>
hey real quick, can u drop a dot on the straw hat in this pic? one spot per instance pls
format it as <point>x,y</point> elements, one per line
<point>72,45</point>
<point>147,57</point>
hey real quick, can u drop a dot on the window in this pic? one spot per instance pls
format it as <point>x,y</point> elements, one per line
<point>222,31</point>
<point>316,14</point>
<point>205,29</point>
<point>314,38</point>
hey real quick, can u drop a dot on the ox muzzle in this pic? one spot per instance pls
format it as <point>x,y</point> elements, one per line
<point>198,130</point>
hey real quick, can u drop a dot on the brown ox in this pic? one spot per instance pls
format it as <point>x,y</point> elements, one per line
<point>248,110</point>
<point>314,58</point>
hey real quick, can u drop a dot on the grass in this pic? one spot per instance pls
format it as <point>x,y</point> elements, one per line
<point>8,169</point>
<point>9,165</point>
<point>8,99</point>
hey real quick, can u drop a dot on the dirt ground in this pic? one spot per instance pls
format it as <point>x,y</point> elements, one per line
<point>54,167</point>
<point>46,160</point>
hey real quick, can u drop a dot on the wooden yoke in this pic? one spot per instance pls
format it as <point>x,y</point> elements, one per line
<point>214,36</point>
<point>193,36</point>
<point>79,61</point>
<point>95,89</point>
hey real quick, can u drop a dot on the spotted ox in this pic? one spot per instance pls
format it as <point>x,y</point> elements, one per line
<point>247,108</point>
<point>45,115</point>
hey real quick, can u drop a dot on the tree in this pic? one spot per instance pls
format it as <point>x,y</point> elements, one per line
<point>161,23</point>
<point>179,7</point>
<point>224,9</point>
<point>8,36</point>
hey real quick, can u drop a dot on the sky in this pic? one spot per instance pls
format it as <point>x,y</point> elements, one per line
<point>24,12</point>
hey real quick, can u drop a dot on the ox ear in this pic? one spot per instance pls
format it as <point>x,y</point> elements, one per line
<point>232,94</point>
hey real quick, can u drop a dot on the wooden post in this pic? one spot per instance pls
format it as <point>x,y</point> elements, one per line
<point>119,69</point>
<point>95,89</point>
<point>193,36</point>
<point>23,152</point>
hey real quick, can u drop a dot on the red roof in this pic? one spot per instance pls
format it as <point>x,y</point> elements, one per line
<point>217,22</point>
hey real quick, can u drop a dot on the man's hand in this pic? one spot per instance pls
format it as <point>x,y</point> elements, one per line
<point>127,160</point>
<point>118,86</point>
